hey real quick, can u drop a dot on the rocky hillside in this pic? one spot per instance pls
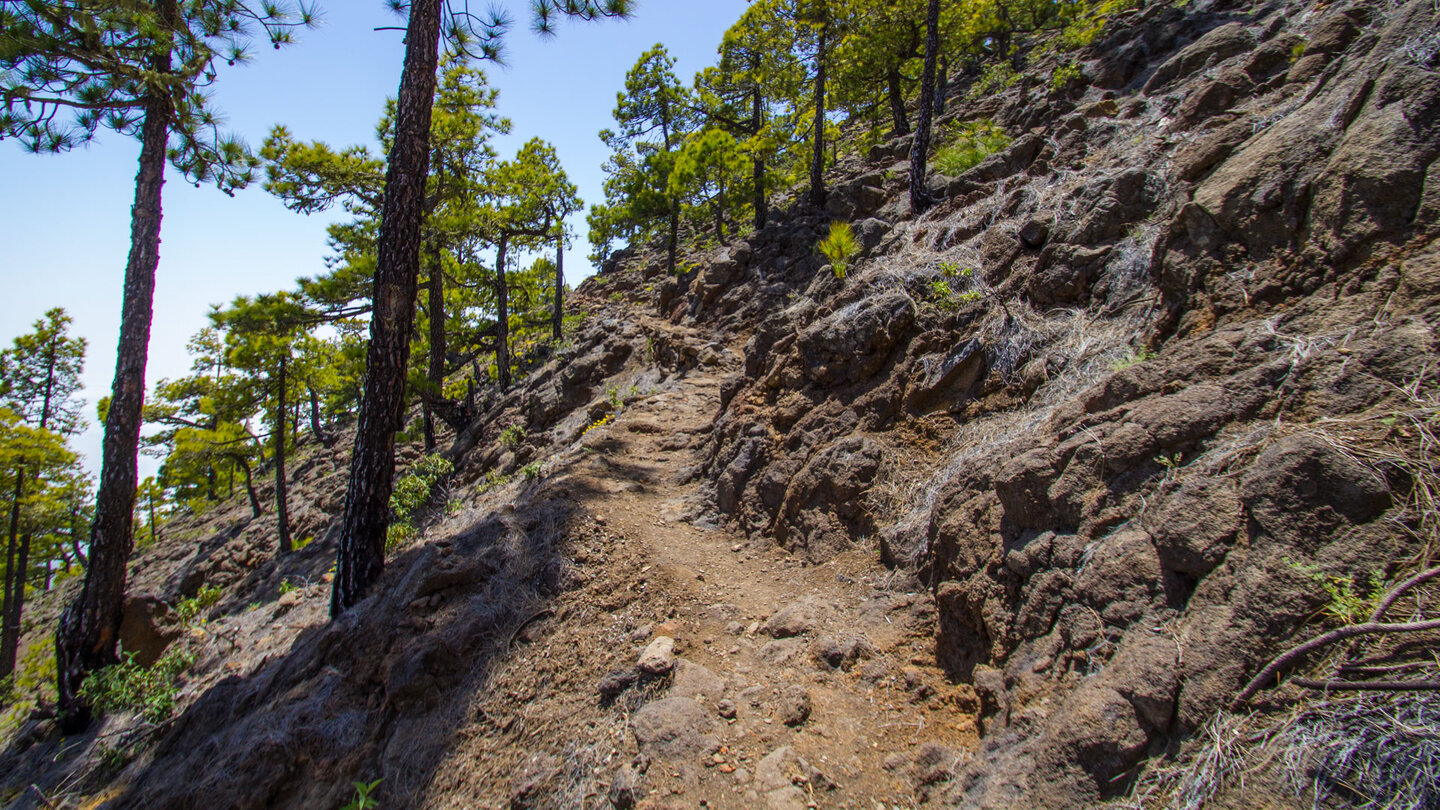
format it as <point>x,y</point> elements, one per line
<point>1008,516</point>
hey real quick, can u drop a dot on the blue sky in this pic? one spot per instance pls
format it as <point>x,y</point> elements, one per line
<point>64,219</point>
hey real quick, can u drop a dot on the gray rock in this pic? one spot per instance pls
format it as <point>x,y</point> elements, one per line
<point>695,681</point>
<point>794,705</point>
<point>624,788</point>
<point>796,618</point>
<point>675,728</point>
<point>658,657</point>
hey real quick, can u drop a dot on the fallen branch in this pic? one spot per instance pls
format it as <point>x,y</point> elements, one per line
<point>1340,634</point>
<point>1401,589</point>
<point>1367,686</point>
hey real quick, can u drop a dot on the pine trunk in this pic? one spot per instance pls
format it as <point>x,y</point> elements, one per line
<point>557,314</point>
<point>249,487</point>
<point>89,628</point>
<point>900,122</point>
<point>11,630</point>
<point>282,511</point>
<point>11,649</point>
<point>919,151</point>
<point>758,171</point>
<point>316,427</point>
<point>817,160</point>
<point>372,466</point>
<point>502,315</point>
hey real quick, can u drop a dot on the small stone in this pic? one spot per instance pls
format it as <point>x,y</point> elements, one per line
<point>734,628</point>
<point>659,657</point>
<point>624,788</point>
<point>726,708</point>
<point>616,682</point>
<point>794,705</point>
<point>736,548</point>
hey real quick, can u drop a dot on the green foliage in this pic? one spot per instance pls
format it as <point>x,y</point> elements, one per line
<point>188,610</point>
<point>839,246</point>
<point>493,480</point>
<point>96,60</point>
<point>1133,358</point>
<point>363,800</point>
<point>127,686</point>
<point>286,586</point>
<point>997,77</point>
<point>1347,602</point>
<point>411,492</point>
<point>1089,24</point>
<point>1298,50</point>
<point>1063,75</point>
<point>969,143</point>
<point>531,471</point>
<point>512,436</point>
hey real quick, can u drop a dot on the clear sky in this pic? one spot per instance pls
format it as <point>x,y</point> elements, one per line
<point>64,219</point>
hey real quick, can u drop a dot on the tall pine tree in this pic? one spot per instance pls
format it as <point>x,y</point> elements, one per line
<point>70,68</point>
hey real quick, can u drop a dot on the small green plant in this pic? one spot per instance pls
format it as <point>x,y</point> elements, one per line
<point>1063,75</point>
<point>512,436</point>
<point>839,246</point>
<point>997,77</point>
<point>1086,28</point>
<point>412,491</point>
<point>613,396</point>
<point>1170,464</point>
<point>616,297</point>
<point>399,534</point>
<point>363,800</point>
<point>1298,50</point>
<point>1347,604</point>
<point>969,144</point>
<point>286,586</point>
<point>942,296</point>
<point>531,471</point>
<point>127,686</point>
<point>493,480</point>
<point>188,610</point>
<point>1133,358</point>
<point>304,541</point>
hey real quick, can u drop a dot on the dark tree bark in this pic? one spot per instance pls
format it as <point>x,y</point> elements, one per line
<point>249,487</point>
<point>942,86</point>
<point>372,466</point>
<point>316,426</point>
<point>282,511</point>
<point>436,305</point>
<point>89,628</point>
<point>919,151</point>
<point>900,121</point>
<point>757,122</point>
<point>720,211</point>
<point>502,314</point>
<point>817,160</point>
<point>12,628</point>
<point>557,313</point>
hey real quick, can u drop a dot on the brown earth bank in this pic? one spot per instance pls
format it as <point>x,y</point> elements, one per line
<point>1007,517</point>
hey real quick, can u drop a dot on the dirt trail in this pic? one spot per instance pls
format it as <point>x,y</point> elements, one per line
<point>830,707</point>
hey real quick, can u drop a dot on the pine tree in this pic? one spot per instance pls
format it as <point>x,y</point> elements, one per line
<point>39,379</point>
<point>137,68</point>
<point>372,465</point>
<point>920,149</point>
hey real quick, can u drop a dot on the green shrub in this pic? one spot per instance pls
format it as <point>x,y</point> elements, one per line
<point>398,534</point>
<point>839,246</point>
<point>531,471</point>
<point>188,610</point>
<point>970,143</point>
<point>412,491</point>
<point>1086,28</point>
<point>997,77</point>
<point>127,686</point>
<point>512,435</point>
<point>1063,75</point>
<point>363,800</point>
